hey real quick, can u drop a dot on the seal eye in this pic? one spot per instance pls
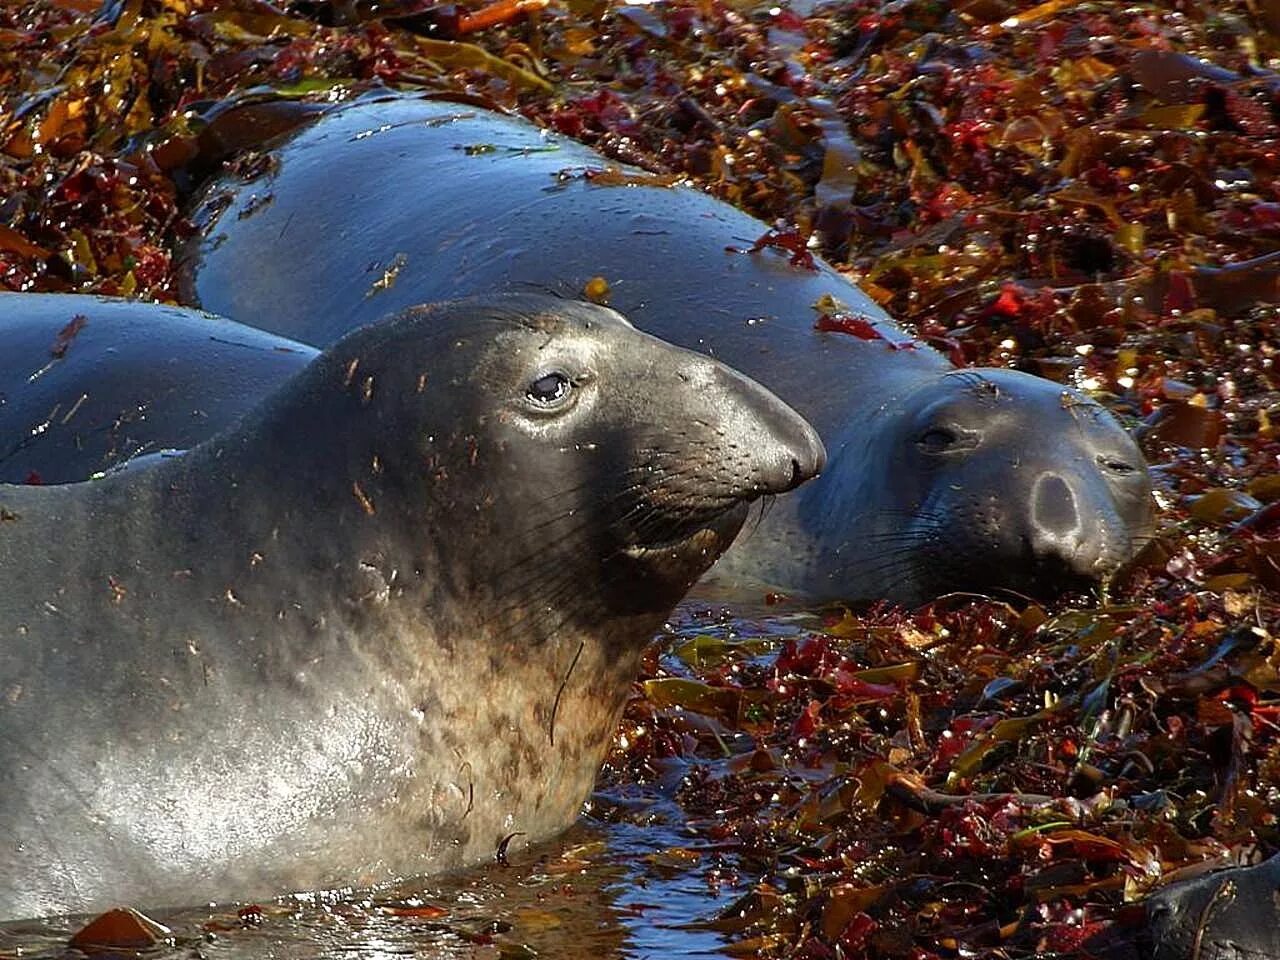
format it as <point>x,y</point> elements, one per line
<point>1159,911</point>
<point>937,440</point>
<point>549,391</point>
<point>1116,466</point>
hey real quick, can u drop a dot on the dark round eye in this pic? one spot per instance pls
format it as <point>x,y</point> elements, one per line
<point>1159,911</point>
<point>937,439</point>
<point>550,390</point>
<point>1116,466</point>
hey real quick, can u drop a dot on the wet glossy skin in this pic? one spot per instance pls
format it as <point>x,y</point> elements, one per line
<point>88,383</point>
<point>400,200</point>
<point>383,622</point>
<point>1226,915</point>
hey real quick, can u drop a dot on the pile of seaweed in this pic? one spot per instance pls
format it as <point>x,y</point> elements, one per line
<point>1084,191</point>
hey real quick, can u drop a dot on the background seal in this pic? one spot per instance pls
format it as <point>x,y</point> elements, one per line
<point>88,383</point>
<point>987,481</point>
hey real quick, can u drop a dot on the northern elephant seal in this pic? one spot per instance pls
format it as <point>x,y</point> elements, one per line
<point>983,480</point>
<point>384,622</point>
<point>1231,914</point>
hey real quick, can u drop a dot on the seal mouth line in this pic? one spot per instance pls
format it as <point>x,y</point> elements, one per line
<point>639,551</point>
<point>636,516</point>
<point>692,534</point>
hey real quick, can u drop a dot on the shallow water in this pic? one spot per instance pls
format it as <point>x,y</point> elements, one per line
<point>628,880</point>
<point>604,889</point>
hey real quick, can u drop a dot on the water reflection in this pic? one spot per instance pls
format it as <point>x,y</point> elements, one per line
<point>599,891</point>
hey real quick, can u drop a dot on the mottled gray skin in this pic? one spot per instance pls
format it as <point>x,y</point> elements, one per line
<point>937,482</point>
<point>385,621</point>
<point>89,383</point>
<point>1228,915</point>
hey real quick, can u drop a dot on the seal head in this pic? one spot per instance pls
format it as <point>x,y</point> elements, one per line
<point>992,482</point>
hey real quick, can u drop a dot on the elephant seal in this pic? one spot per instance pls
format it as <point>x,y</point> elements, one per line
<point>1231,914</point>
<point>89,383</point>
<point>385,621</point>
<point>984,480</point>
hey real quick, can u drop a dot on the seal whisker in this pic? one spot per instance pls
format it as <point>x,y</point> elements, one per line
<point>552,587</point>
<point>883,563</point>
<point>766,506</point>
<point>901,512</point>
<point>551,584</point>
<point>557,585</point>
<point>911,537</point>
<point>879,560</point>
<point>587,485</point>
<point>564,682</point>
<point>756,517</point>
<point>622,494</point>
<point>564,586</point>
<point>670,520</point>
<point>587,519</point>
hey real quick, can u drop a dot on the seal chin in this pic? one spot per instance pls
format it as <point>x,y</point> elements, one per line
<point>1043,584</point>
<point>1048,578</point>
<point>1018,575</point>
<point>653,575</point>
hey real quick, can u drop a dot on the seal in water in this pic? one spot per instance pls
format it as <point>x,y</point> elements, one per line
<point>89,383</point>
<point>984,480</point>
<point>387,620</point>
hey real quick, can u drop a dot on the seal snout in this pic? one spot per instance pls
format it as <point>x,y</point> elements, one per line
<point>767,448</point>
<point>789,450</point>
<point>809,461</point>
<point>1066,532</point>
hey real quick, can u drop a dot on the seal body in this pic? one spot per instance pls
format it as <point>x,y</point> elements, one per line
<point>1231,914</point>
<point>90,383</point>
<point>987,481</point>
<point>385,621</point>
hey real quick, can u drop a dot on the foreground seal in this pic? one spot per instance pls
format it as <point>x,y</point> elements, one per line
<point>981,480</point>
<point>386,621</point>
<point>89,383</point>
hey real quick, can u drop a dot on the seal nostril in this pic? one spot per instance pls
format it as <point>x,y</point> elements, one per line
<point>797,474</point>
